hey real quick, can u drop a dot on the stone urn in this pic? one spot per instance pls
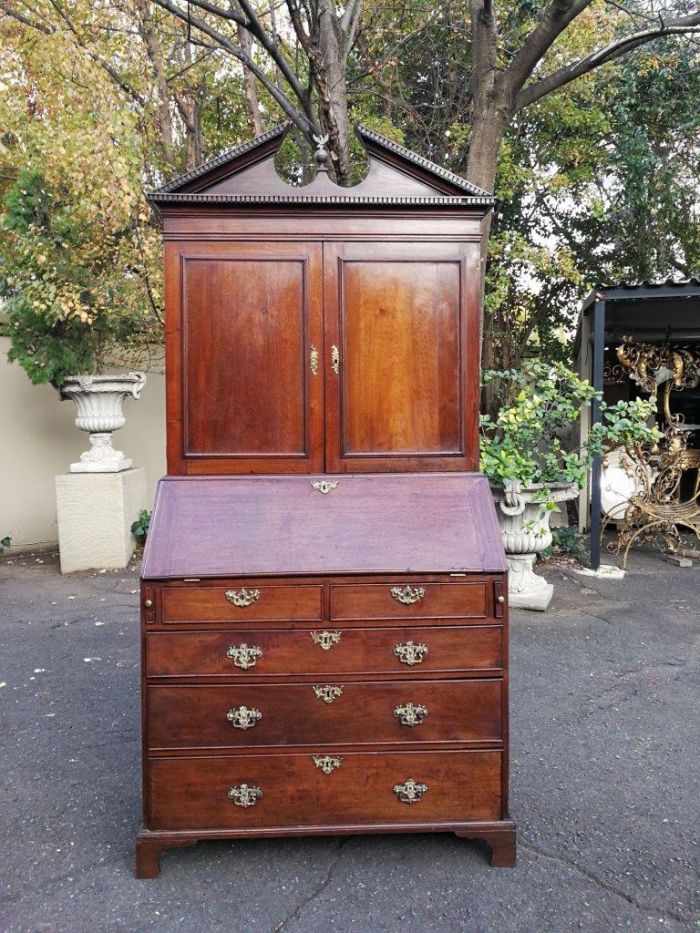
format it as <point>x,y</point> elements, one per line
<point>99,400</point>
<point>524,523</point>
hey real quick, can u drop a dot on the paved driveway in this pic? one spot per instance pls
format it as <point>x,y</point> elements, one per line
<point>605,740</point>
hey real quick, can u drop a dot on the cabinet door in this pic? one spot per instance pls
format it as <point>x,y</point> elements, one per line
<point>244,330</point>
<point>402,356</point>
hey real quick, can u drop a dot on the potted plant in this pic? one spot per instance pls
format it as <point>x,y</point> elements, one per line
<point>79,304</point>
<point>524,454</point>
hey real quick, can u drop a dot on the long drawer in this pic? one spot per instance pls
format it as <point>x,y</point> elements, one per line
<point>313,714</point>
<point>289,790</point>
<point>408,601</point>
<point>275,652</point>
<point>241,603</point>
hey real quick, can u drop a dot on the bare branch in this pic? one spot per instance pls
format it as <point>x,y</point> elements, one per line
<point>681,26</point>
<point>297,117</point>
<point>552,22</point>
<point>21,18</point>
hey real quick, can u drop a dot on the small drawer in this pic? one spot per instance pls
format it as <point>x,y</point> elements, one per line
<point>274,652</point>
<point>324,789</point>
<point>241,602</point>
<point>400,600</point>
<point>189,717</point>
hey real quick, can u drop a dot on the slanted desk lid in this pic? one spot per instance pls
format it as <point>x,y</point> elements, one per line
<point>283,525</point>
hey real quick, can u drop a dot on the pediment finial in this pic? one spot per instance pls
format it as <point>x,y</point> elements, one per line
<point>322,154</point>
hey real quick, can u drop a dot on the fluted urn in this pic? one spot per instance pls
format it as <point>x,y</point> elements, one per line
<point>523,517</point>
<point>99,402</point>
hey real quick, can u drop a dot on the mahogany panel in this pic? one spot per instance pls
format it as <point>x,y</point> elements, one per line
<point>356,650</point>
<point>230,312</point>
<point>193,793</point>
<point>433,601</point>
<point>400,383</point>
<point>264,603</point>
<point>407,330</point>
<point>293,714</point>
<point>283,525</point>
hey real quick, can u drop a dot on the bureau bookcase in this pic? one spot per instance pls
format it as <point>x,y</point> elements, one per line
<point>324,594</point>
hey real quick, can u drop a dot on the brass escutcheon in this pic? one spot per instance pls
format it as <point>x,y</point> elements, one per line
<point>408,595</point>
<point>327,693</point>
<point>242,598</point>
<point>243,655</point>
<point>243,718</point>
<point>313,361</point>
<point>410,653</point>
<point>244,795</point>
<point>325,640</point>
<point>326,763</point>
<point>324,486</point>
<point>335,359</point>
<point>410,715</point>
<point>410,791</point>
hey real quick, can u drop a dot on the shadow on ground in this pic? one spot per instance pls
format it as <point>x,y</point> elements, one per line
<point>605,738</point>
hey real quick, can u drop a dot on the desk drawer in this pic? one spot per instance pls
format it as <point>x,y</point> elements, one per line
<point>241,603</point>
<point>312,714</point>
<point>409,600</point>
<point>267,791</point>
<point>413,650</point>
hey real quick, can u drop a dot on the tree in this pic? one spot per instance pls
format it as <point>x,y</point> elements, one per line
<point>511,65</point>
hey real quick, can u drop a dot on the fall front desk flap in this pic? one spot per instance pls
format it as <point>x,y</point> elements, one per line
<point>324,524</point>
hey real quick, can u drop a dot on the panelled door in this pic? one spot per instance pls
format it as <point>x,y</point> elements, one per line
<point>401,355</point>
<point>244,340</point>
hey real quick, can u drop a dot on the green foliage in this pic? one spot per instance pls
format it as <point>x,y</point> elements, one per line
<point>139,528</point>
<point>70,309</point>
<point>566,541</point>
<point>5,542</point>
<point>538,406</point>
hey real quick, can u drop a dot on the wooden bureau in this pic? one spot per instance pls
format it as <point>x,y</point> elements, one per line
<point>339,701</point>
<point>324,594</point>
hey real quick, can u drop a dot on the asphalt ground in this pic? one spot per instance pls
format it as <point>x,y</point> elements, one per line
<point>604,735</point>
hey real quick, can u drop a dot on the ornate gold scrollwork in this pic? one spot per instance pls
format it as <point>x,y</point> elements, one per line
<point>243,718</point>
<point>242,598</point>
<point>327,693</point>
<point>410,715</point>
<point>324,486</point>
<point>335,359</point>
<point>313,361</point>
<point>244,795</point>
<point>325,640</point>
<point>410,791</point>
<point>243,655</point>
<point>410,653</point>
<point>326,763</point>
<point>408,595</point>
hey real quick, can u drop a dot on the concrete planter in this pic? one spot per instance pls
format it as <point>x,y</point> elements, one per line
<point>524,523</point>
<point>99,400</point>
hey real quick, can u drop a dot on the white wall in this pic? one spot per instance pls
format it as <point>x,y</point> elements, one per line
<point>38,439</point>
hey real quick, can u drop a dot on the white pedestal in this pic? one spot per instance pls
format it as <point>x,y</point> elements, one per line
<point>95,514</point>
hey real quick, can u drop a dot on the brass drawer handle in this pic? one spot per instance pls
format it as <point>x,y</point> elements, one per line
<point>244,656</point>
<point>410,715</point>
<point>243,718</point>
<point>244,795</point>
<point>410,791</point>
<point>408,595</point>
<point>326,763</point>
<point>410,653</point>
<point>242,598</point>
<point>325,640</point>
<point>328,693</point>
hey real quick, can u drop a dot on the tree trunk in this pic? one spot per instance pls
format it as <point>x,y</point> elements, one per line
<point>330,67</point>
<point>249,86</point>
